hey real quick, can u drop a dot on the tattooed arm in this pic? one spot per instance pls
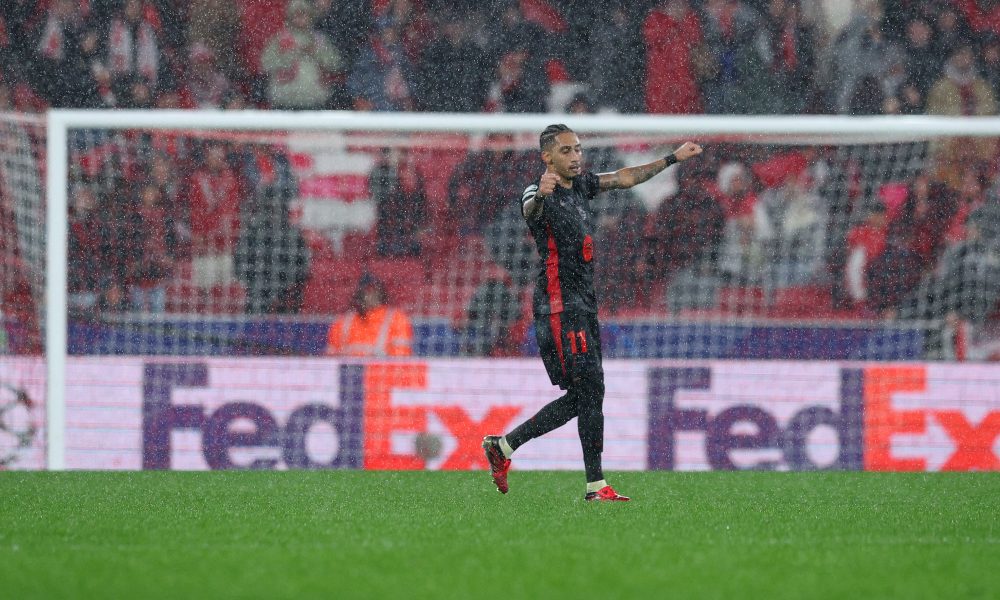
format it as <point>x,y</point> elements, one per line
<point>632,176</point>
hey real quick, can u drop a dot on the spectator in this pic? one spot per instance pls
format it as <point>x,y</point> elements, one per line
<point>60,70</point>
<point>133,49</point>
<point>510,29</point>
<point>952,30</point>
<point>371,327</point>
<point>398,192</point>
<point>152,264</point>
<point>297,60</point>
<point>409,19</point>
<point>924,218</point>
<point>493,310</point>
<point>206,86</point>
<point>346,25</point>
<point>519,83</point>
<point>742,83</point>
<point>214,197</point>
<point>923,61</point>
<point>86,250</point>
<point>790,223</point>
<point>738,199</point>
<point>961,91</point>
<point>790,47</point>
<point>865,243</point>
<point>452,73</point>
<point>685,229</point>
<point>215,26</point>
<point>93,88</point>
<point>618,60</point>
<point>673,37</point>
<point>863,55</point>
<point>519,50</point>
<point>382,78</point>
<point>892,275</point>
<point>271,258</point>
<point>163,174</point>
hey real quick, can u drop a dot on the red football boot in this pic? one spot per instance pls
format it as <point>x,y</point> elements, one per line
<point>605,494</point>
<point>499,464</point>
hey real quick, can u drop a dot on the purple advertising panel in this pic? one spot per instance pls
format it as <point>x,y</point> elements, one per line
<point>320,413</point>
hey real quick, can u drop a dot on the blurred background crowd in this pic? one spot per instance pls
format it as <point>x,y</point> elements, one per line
<point>669,56</point>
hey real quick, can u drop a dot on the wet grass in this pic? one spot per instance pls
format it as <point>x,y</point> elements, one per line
<point>450,535</point>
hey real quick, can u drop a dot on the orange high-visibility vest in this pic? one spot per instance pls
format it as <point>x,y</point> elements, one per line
<point>382,332</point>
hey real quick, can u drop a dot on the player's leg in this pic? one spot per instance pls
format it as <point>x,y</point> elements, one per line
<point>588,388</point>
<point>548,332</point>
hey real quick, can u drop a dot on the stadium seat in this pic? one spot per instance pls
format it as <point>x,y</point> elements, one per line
<point>401,277</point>
<point>330,286</point>
<point>802,302</point>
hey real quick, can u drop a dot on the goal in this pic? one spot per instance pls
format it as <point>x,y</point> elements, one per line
<point>183,269</point>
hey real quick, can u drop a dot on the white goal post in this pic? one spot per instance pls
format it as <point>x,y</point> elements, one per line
<point>61,122</point>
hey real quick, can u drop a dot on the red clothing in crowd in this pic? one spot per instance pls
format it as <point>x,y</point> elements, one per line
<point>981,16</point>
<point>153,258</point>
<point>736,207</point>
<point>670,80</point>
<point>215,210</point>
<point>869,237</point>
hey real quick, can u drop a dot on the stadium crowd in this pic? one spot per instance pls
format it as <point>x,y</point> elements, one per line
<point>208,220</point>
<point>655,56</point>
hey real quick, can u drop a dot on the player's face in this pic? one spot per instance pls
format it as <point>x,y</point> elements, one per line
<point>565,156</point>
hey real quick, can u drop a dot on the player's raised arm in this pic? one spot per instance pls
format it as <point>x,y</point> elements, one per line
<point>631,176</point>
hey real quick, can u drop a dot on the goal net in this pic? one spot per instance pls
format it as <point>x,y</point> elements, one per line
<point>205,269</point>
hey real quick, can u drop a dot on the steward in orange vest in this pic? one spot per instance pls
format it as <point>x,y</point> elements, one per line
<point>371,328</point>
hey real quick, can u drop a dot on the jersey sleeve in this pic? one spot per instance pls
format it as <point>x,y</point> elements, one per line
<point>590,184</point>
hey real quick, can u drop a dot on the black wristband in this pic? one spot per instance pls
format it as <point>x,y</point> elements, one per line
<point>671,159</point>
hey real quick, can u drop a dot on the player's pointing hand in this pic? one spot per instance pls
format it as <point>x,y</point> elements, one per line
<point>686,151</point>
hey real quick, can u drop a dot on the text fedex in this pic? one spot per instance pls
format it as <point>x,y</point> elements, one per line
<point>821,416</point>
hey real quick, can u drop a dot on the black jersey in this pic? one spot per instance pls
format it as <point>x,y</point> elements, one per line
<point>564,235</point>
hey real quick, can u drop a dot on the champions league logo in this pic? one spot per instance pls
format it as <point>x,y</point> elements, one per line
<point>17,429</point>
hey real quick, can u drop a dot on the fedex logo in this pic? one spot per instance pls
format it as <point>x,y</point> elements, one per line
<point>220,432</point>
<point>909,428</point>
<point>743,428</point>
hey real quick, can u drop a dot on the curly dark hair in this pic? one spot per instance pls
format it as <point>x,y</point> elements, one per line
<point>548,137</point>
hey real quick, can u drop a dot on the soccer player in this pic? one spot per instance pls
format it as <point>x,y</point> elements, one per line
<point>559,216</point>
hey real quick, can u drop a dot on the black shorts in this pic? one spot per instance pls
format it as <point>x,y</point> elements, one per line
<point>569,342</point>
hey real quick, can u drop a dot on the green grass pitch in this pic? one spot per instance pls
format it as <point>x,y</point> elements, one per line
<point>451,535</point>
